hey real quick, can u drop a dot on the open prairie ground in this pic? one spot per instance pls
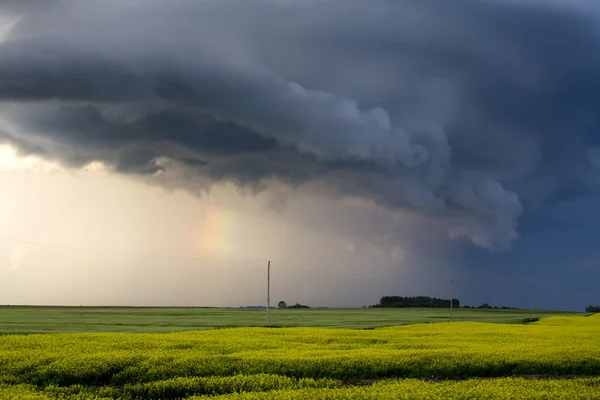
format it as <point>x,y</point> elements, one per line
<point>556,357</point>
<point>17,319</point>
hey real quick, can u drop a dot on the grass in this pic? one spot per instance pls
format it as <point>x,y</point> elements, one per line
<point>306,363</point>
<point>26,319</point>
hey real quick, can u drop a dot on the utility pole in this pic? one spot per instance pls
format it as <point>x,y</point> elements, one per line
<point>450,300</point>
<point>269,294</point>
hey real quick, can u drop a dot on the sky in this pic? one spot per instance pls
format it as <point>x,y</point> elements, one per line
<point>161,152</point>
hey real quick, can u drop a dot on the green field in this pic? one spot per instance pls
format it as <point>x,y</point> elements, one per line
<point>17,319</point>
<point>556,357</point>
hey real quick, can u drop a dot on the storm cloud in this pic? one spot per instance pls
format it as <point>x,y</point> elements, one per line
<point>471,113</point>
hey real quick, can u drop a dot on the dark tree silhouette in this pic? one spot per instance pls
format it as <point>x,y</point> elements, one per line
<point>419,301</point>
<point>298,305</point>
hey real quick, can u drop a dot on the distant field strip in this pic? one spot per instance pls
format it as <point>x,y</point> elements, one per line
<point>25,319</point>
<point>305,363</point>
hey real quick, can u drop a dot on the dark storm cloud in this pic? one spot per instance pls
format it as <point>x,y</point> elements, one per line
<point>20,144</point>
<point>468,112</point>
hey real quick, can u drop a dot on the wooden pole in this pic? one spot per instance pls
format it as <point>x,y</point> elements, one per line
<point>269,294</point>
<point>451,301</point>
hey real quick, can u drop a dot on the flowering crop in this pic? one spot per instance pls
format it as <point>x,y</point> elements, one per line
<point>305,362</point>
<point>410,389</point>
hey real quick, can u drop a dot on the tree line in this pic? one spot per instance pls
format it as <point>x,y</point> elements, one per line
<point>283,304</point>
<point>418,301</point>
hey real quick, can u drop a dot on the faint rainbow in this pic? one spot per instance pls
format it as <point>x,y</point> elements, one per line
<point>217,231</point>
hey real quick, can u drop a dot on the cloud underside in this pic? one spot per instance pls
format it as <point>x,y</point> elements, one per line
<point>458,113</point>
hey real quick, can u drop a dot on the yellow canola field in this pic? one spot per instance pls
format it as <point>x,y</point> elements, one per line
<point>308,362</point>
<point>409,389</point>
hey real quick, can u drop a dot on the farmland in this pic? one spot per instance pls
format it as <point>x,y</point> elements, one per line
<point>556,357</point>
<point>147,320</point>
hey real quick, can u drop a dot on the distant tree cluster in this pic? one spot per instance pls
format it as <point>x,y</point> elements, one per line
<point>429,302</point>
<point>486,305</point>
<point>283,304</point>
<point>593,309</point>
<point>419,301</point>
<point>298,305</point>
